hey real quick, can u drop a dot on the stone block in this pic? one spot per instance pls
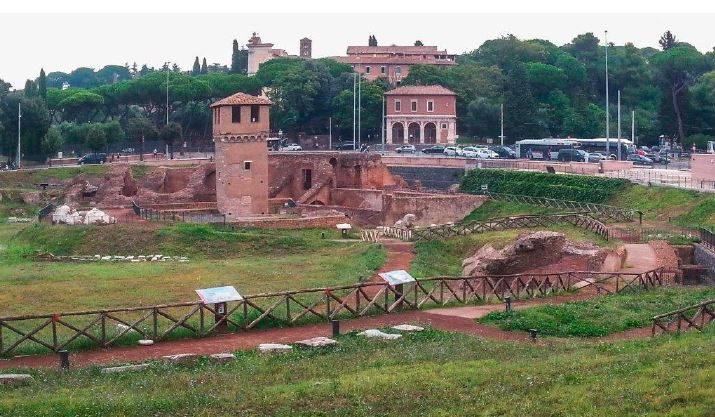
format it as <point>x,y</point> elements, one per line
<point>378,334</point>
<point>274,348</point>
<point>222,357</point>
<point>408,328</point>
<point>14,380</point>
<point>125,368</point>
<point>182,358</point>
<point>319,341</point>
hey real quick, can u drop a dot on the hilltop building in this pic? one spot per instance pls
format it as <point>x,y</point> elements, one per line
<point>421,115</point>
<point>393,62</point>
<point>260,52</point>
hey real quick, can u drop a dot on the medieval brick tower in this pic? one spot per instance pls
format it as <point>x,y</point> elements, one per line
<point>306,48</point>
<point>240,130</point>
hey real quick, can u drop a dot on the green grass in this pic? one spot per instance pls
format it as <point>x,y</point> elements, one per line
<point>664,204</point>
<point>254,261</point>
<point>600,316</point>
<point>497,208</point>
<point>427,374</point>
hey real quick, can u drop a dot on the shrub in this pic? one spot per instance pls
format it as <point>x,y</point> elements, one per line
<point>536,184</point>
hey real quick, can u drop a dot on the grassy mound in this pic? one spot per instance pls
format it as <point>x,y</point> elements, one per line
<point>209,241</point>
<point>426,374</point>
<point>600,316</point>
<point>582,188</point>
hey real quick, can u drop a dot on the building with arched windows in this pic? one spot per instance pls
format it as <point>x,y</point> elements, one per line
<point>421,115</point>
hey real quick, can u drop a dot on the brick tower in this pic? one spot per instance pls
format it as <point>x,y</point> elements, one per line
<point>306,48</point>
<point>240,130</point>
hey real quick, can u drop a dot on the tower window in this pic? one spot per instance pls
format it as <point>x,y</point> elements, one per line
<point>430,105</point>
<point>236,114</point>
<point>367,69</point>
<point>398,105</point>
<point>255,113</point>
<point>382,69</point>
<point>414,105</point>
<point>247,165</point>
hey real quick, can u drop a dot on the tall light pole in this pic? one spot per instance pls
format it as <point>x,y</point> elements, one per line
<point>330,133</point>
<point>19,127</point>
<point>354,106</point>
<point>501,136</point>
<point>608,121</point>
<point>633,126</point>
<point>382,126</point>
<point>359,111</point>
<point>619,125</point>
<point>166,145</point>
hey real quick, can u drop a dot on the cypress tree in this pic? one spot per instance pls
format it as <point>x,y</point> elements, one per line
<point>204,67</point>
<point>197,68</point>
<point>235,64</point>
<point>42,84</point>
<point>30,89</point>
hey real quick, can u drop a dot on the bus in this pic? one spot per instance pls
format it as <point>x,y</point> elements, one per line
<point>599,145</point>
<point>546,149</point>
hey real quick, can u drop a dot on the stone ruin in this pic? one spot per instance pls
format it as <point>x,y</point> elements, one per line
<point>65,214</point>
<point>534,250</point>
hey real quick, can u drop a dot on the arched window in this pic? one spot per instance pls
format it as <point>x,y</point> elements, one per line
<point>413,133</point>
<point>398,133</point>
<point>430,133</point>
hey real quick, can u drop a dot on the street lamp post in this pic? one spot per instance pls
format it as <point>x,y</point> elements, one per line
<point>19,128</point>
<point>608,121</point>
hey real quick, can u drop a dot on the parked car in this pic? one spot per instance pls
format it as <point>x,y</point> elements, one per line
<point>596,157</point>
<point>92,158</point>
<point>504,152</point>
<point>292,147</point>
<point>639,159</point>
<point>572,155</point>
<point>406,149</point>
<point>345,146</point>
<point>482,153</point>
<point>434,149</point>
<point>460,151</point>
<point>450,151</point>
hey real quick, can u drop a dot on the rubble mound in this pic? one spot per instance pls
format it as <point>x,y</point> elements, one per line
<point>65,214</point>
<point>529,251</point>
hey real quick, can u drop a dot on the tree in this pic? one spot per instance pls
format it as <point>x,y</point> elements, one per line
<point>197,67</point>
<point>678,67</point>
<point>81,105</point>
<point>519,104</point>
<point>141,128</point>
<point>204,67</point>
<point>52,142</point>
<point>113,132</point>
<point>170,134</point>
<point>96,138</point>
<point>42,84</point>
<point>419,43</point>
<point>35,122</point>
<point>30,89</point>
<point>667,41</point>
<point>372,41</point>
<point>239,59</point>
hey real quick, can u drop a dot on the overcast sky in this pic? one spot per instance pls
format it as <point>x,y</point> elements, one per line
<point>65,42</point>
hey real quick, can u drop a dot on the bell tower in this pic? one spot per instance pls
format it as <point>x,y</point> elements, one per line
<point>240,130</point>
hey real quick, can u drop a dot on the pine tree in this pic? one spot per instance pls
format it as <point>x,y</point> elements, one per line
<point>372,41</point>
<point>204,67</point>
<point>668,40</point>
<point>419,43</point>
<point>30,89</point>
<point>42,84</point>
<point>197,67</point>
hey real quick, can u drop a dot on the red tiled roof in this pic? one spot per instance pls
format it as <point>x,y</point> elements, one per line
<point>393,60</point>
<point>242,99</point>
<point>394,49</point>
<point>416,90</point>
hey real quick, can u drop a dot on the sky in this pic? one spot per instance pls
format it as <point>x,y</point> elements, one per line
<point>65,41</point>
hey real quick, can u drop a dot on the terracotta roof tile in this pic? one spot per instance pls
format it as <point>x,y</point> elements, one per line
<point>395,49</point>
<point>432,90</point>
<point>242,99</point>
<point>394,60</point>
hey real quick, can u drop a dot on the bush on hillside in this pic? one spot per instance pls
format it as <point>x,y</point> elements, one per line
<point>536,184</point>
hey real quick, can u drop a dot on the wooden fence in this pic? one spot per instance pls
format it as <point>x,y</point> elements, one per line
<point>104,328</point>
<point>515,222</point>
<point>707,238</point>
<point>601,212</point>
<point>684,319</point>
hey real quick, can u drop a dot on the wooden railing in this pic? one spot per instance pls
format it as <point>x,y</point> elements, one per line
<point>684,319</point>
<point>707,238</point>
<point>601,212</point>
<point>515,222</point>
<point>108,327</point>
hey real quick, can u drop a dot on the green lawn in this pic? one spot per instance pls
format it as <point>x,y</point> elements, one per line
<point>497,208</point>
<point>253,261</point>
<point>428,374</point>
<point>602,315</point>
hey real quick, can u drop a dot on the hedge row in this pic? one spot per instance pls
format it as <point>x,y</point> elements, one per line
<point>536,184</point>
